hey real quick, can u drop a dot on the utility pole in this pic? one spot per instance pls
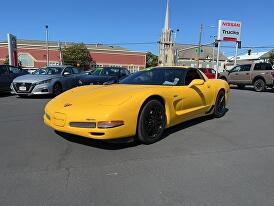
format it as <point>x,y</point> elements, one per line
<point>199,49</point>
<point>61,54</point>
<point>47,43</point>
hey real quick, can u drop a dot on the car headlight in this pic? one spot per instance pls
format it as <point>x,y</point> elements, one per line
<point>43,82</point>
<point>110,124</point>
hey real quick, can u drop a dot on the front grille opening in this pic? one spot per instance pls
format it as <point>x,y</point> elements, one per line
<point>83,124</point>
<point>97,133</point>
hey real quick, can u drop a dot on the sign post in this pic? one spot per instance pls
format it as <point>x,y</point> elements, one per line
<point>229,31</point>
<point>12,47</point>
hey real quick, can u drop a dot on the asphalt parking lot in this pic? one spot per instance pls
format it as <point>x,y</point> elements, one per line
<point>227,161</point>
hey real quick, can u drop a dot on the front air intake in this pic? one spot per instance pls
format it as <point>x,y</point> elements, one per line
<point>83,124</point>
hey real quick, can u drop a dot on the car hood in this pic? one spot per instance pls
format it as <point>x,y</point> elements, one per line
<point>33,78</point>
<point>97,96</point>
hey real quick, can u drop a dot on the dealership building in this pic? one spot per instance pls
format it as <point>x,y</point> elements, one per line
<point>33,54</point>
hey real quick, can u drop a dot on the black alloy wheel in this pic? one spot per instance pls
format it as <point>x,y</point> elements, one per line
<point>219,110</point>
<point>259,85</point>
<point>57,89</point>
<point>151,123</point>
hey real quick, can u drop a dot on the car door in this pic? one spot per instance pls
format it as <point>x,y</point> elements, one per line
<point>195,100</point>
<point>123,73</point>
<point>244,76</point>
<point>5,80</point>
<point>77,75</point>
<point>68,79</point>
<point>233,75</point>
<point>14,72</point>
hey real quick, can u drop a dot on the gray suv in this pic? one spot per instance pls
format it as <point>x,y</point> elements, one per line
<point>260,75</point>
<point>49,80</point>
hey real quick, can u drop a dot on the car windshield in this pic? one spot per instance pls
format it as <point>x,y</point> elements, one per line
<point>157,76</point>
<point>48,71</point>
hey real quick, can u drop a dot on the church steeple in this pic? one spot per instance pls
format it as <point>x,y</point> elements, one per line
<point>166,27</point>
<point>166,54</point>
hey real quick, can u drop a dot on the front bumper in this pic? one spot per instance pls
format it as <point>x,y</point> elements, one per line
<point>61,123</point>
<point>32,89</point>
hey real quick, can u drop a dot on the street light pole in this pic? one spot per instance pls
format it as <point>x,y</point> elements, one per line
<point>199,49</point>
<point>47,43</point>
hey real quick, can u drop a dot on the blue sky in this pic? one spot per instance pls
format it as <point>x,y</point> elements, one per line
<point>128,21</point>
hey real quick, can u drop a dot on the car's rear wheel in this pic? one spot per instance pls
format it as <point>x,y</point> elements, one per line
<point>57,89</point>
<point>151,123</point>
<point>259,85</point>
<point>219,109</point>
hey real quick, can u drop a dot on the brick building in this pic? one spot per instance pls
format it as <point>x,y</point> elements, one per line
<point>32,54</point>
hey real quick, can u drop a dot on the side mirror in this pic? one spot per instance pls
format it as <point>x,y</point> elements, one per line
<point>66,74</point>
<point>196,82</point>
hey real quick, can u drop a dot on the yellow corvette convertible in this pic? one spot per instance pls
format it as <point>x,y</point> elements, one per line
<point>142,105</point>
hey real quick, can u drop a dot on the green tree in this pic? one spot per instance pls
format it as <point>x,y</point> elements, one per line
<point>77,55</point>
<point>271,58</point>
<point>151,60</point>
<point>6,61</point>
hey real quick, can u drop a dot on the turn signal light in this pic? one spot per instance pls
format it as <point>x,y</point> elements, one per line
<point>272,73</point>
<point>109,124</point>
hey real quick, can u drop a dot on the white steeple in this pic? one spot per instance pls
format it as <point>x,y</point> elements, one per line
<point>166,27</point>
<point>166,54</point>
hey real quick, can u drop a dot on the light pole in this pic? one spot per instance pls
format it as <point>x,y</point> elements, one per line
<point>47,43</point>
<point>213,50</point>
<point>174,32</point>
<point>200,42</point>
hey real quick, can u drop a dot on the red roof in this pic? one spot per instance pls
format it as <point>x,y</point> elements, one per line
<point>118,58</point>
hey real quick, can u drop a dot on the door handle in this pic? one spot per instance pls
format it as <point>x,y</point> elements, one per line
<point>236,74</point>
<point>247,73</point>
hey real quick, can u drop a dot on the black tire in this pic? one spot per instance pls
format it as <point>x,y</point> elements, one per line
<point>219,109</point>
<point>151,122</point>
<point>259,85</point>
<point>241,86</point>
<point>57,89</point>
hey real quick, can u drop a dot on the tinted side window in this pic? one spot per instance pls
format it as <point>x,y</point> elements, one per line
<point>245,68</point>
<point>261,66</point>
<point>191,75</point>
<point>111,72</point>
<point>68,69</point>
<point>266,67</point>
<point>4,70</point>
<point>75,70</point>
<point>14,70</point>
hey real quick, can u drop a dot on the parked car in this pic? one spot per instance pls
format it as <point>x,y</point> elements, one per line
<point>260,75</point>
<point>104,75</point>
<point>142,105</point>
<point>209,72</point>
<point>7,74</point>
<point>49,80</point>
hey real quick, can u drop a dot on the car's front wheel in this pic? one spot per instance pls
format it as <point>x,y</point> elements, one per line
<point>151,123</point>
<point>219,110</point>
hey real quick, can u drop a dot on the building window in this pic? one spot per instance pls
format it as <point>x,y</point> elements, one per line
<point>26,60</point>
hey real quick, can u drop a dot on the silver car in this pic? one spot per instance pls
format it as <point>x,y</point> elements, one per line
<point>49,80</point>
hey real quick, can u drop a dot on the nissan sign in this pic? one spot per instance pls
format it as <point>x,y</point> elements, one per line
<point>229,31</point>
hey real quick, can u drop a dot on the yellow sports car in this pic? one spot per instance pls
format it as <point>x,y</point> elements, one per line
<point>142,105</point>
